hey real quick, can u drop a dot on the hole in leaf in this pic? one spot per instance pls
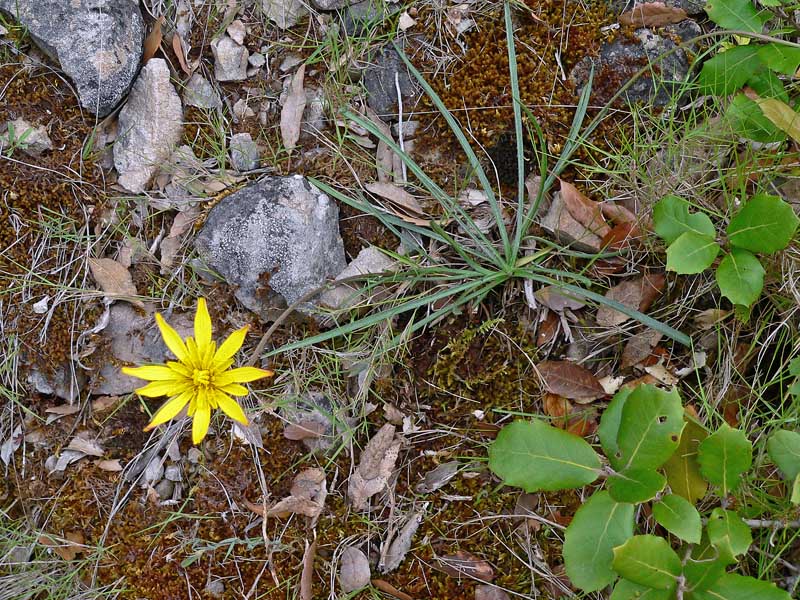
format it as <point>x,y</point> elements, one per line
<point>662,419</point>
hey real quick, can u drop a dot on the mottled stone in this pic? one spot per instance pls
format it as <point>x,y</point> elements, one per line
<point>379,81</point>
<point>230,59</point>
<point>284,13</point>
<point>244,152</point>
<point>200,93</point>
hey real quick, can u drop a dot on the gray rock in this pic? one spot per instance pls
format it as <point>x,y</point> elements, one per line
<point>98,43</point>
<point>200,93</point>
<point>359,17</point>
<point>330,4</point>
<point>215,588</point>
<point>172,473</point>
<point>257,60</point>
<point>154,471</point>
<point>244,152</point>
<point>31,139</point>
<point>150,126</point>
<point>230,59</point>
<point>275,239</point>
<point>315,411</point>
<point>134,339</point>
<point>284,13</point>
<point>369,260</point>
<point>314,112</point>
<point>379,81</point>
<point>165,488</point>
<point>61,383</point>
<point>622,58</point>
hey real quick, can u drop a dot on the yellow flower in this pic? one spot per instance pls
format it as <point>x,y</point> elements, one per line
<point>202,377</point>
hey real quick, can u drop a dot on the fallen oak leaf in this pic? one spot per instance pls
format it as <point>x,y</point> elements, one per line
<point>653,14</point>
<point>307,575</point>
<point>114,279</point>
<point>303,430</point>
<point>178,49</point>
<point>465,563</point>
<point>638,294</point>
<point>587,212</point>
<point>153,41</point>
<point>375,468</point>
<point>401,544</point>
<point>570,380</point>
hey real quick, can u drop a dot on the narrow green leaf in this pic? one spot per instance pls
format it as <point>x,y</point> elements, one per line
<point>636,485</point>
<point>740,277</point>
<point>650,428</point>
<point>671,218</point>
<point>678,516</point>
<point>682,468</point>
<point>735,14</point>
<point>648,560</point>
<point>780,57</point>
<point>728,534</point>
<point>627,590</point>
<point>691,253</point>
<point>608,429</point>
<point>765,224</point>
<point>728,71</point>
<point>597,528</point>
<point>783,448</point>
<point>724,456</point>
<point>738,587</point>
<point>535,456</point>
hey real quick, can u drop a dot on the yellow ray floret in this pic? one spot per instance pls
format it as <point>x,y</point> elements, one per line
<point>201,379</point>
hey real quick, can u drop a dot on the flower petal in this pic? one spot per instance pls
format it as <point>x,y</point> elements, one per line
<point>230,346</point>
<point>202,417</point>
<point>240,375</point>
<point>152,372</point>
<point>202,326</point>
<point>171,338</point>
<point>180,368</point>
<point>230,407</point>
<point>163,388</point>
<point>234,389</point>
<point>193,359</point>
<point>169,410</point>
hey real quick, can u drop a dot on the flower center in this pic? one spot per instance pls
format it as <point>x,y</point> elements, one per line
<point>201,377</point>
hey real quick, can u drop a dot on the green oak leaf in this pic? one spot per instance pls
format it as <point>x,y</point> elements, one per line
<point>735,14</point>
<point>728,71</point>
<point>648,560</point>
<point>728,534</point>
<point>636,485</point>
<point>783,448</point>
<point>780,57</point>
<point>671,218</point>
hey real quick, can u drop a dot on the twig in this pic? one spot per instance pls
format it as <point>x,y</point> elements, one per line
<point>400,123</point>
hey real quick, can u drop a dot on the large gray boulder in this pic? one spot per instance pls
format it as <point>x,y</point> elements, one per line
<point>98,43</point>
<point>150,126</point>
<point>275,240</point>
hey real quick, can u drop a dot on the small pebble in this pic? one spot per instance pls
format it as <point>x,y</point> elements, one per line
<point>172,473</point>
<point>164,489</point>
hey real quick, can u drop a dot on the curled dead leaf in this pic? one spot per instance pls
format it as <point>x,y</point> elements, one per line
<point>304,430</point>
<point>638,294</point>
<point>153,40</point>
<point>292,111</point>
<point>354,571</point>
<point>375,468</point>
<point>464,563</point>
<point>653,14</point>
<point>587,212</point>
<point>114,279</point>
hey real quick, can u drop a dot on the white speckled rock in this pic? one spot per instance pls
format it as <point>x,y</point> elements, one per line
<point>230,59</point>
<point>98,43</point>
<point>280,230</point>
<point>150,126</point>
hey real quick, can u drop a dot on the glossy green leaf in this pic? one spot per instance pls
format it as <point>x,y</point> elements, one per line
<point>724,456</point>
<point>735,14</point>
<point>780,57</point>
<point>783,448</point>
<point>691,253</point>
<point>608,429</point>
<point>702,574</point>
<point>678,516</point>
<point>671,218</point>
<point>535,456</point>
<point>767,85</point>
<point>765,224</point>
<point>648,560</point>
<point>728,534</point>
<point>740,277</point>
<point>728,71</point>
<point>738,587</point>
<point>627,590</point>
<point>682,469</point>
<point>649,430</point>
<point>597,528</point>
<point>746,119</point>
<point>636,485</point>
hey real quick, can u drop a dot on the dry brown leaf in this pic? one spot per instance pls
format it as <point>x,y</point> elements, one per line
<point>464,563</point>
<point>88,447</point>
<point>153,40</point>
<point>638,294</point>
<point>438,477</point>
<point>303,430</point>
<point>354,571</point>
<point>619,214</point>
<point>782,116</point>
<point>68,548</point>
<point>103,403</point>
<point>111,465</point>
<point>587,212</point>
<point>556,406</point>
<point>114,279</point>
<point>292,111</point>
<point>582,426</point>
<point>547,329</point>
<point>490,592</point>
<point>307,576</point>
<point>294,505</point>
<point>375,468</point>
<point>396,195</point>
<point>177,48</point>
<point>639,347</point>
<point>384,156</point>
<point>555,299</point>
<point>307,497</point>
<point>388,588</point>
<point>63,410</point>
<point>653,14</point>
<point>401,544</point>
<point>570,380</point>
